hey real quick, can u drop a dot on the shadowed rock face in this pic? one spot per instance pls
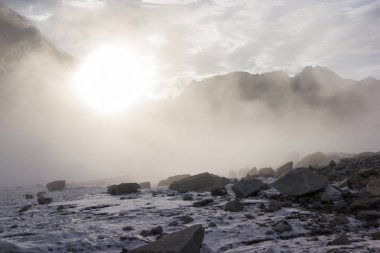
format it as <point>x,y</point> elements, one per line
<point>188,240</point>
<point>282,170</point>
<point>245,188</point>
<point>172,179</point>
<point>200,182</point>
<point>123,188</point>
<point>300,182</point>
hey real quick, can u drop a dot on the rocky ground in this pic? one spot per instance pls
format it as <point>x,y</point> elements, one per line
<point>329,209</point>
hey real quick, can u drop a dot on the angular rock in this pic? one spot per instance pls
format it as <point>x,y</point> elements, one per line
<point>28,196</point>
<point>24,208</point>
<point>329,193</point>
<point>123,188</point>
<point>282,170</point>
<point>282,227</point>
<point>300,182</point>
<point>365,203</point>
<point>374,186</point>
<point>186,219</point>
<point>275,205</point>
<point>218,192</point>
<point>368,214</point>
<point>58,185</point>
<point>199,183</point>
<point>157,230</point>
<point>234,206</point>
<point>188,240</point>
<point>246,188</point>
<point>44,200</point>
<point>252,172</point>
<point>340,240</point>
<point>203,202</point>
<point>267,172</point>
<point>145,185</point>
<point>172,179</point>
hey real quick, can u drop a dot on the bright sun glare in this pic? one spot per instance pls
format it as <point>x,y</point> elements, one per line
<point>111,79</point>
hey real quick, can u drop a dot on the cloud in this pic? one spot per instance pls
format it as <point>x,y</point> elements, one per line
<point>204,38</point>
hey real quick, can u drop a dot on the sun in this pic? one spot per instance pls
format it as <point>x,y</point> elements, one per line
<point>111,79</point>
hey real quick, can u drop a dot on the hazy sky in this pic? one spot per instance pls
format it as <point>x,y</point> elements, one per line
<point>193,39</point>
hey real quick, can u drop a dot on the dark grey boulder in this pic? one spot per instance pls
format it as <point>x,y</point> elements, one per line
<point>145,185</point>
<point>300,182</point>
<point>199,183</point>
<point>282,170</point>
<point>123,188</point>
<point>267,172</point>
<point>253,172</point>
<point>28,196</point>
<point>248,187</point>
<point>188,240</point>
<point>234,206</point>
<point>340,240</point>
<point>203,202</point>
<point>24,208</point>
<point>44,200</point>
<point>172,179</point>
<point>58,185</point>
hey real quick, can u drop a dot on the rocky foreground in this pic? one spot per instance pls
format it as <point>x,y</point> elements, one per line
<point>334,208</point>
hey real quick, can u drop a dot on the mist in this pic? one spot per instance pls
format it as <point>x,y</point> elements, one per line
<point>203,117</point>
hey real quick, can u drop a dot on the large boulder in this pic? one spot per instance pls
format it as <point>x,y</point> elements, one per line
<point>374,186</point>
<point>316,160</point>
<point>282,170</point>
<point>267,172</point>
<point>199,183</point>
<point>300,182</point>
<point>145,185</point>
<point>123,188</point>
<point>172,179</point>
<point>58,185</point>
<point>247,187</point>
<point>188,240</point>
<point>252,172</point>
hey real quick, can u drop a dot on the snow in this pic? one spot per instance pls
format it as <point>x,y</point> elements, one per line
<point>93,221</point>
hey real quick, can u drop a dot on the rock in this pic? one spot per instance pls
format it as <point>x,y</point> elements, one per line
<point>24,208</point>
<point>367,172</point>
<point>218,192</point>
<point>282,227</point>
<point>246,188</point>
<point>172,179</point>
<point>267,172</point>
<point>374,186</point>
<point>28,196</point>
<point>282,170</point>
<point>203,202</point>
<point>275,205</point>
<point>188,240</point>
<point>145,185</point>
<point>157,230</point>
<point>187,197</point>
<point>60,207</point>
<point>212,224</point>
<point>365,203</point>
<point>40,194</point>
<point>357,181</point>
<point>44,200</point>
<point>340,219</point>
<point>376,236</point>
<point>199,183</point>
<point>186,219</point>
<point>123,188</point>
<point>127,228</point>
<point>145,233</point>
<point>234,206</point>
<point>173,223</point>
<point>252,172</point>
<point>340,240</point>
<point>300,182</point>
<point>329,193</point>
<point>58,185</point>
<point>368,214</point>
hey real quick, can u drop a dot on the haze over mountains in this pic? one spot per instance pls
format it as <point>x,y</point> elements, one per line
<point>220,123</point>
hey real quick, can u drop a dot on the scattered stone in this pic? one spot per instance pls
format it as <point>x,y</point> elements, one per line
<point>172,179</point>
<point>376,236</point>
<point>199,183</point>
<point>218,192</point>
<point>340,240</point>
<point>340,219</point>
<point>24,209</point>
<point>234,206</point>
<point>316,160</point>
<point>282,170</point>
<point>157,230</point>
<point>329,193</point>
<point>275,205</point>
<point>40,194</point>
<point>267,172</point>
<point>246,188</point>
<point>365,203</point>
<point>186,219</point>
<point>203,202</point>
<point>44,200</point>
<point>145,233</point>
<point>368,214</point>
<point>173,223</point>
<point>28,196</point>
<point>123,188</point>
<point>300,182</point>
<point>127,228</point>
<point>374,186</point>
<point>187,197</point>
<point>58,185</point>
<point>282,227</point>
<point>60,207</point>
<point>188,240</point>
<point>252,172</point>
<point>212,224</point>
<point>145,185</point>
<point>367,172</point>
